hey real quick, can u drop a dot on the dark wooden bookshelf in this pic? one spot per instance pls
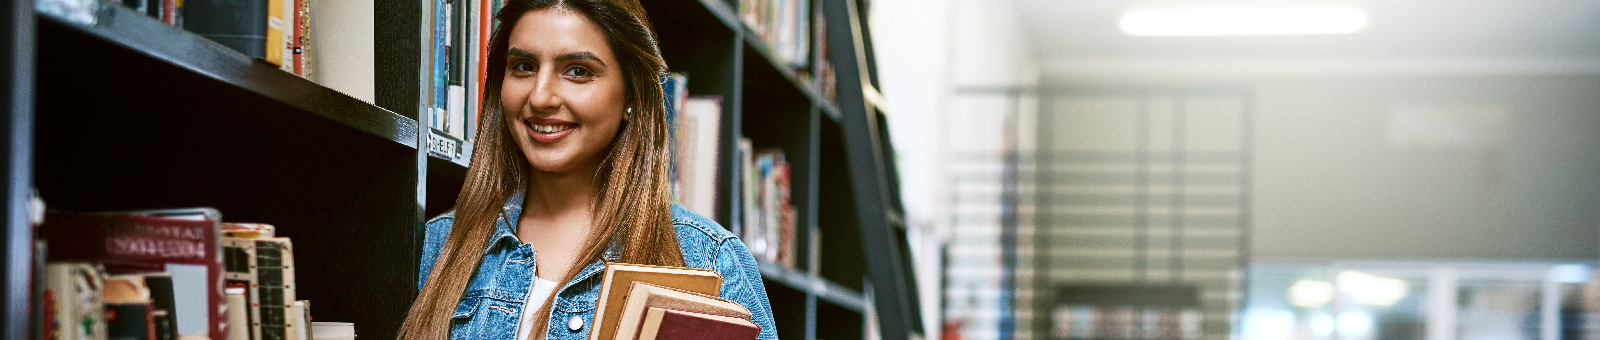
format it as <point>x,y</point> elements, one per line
<point>167,63</point>
<point>129,113</point>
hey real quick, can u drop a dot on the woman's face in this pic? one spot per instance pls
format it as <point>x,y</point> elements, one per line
<point>563,92</point>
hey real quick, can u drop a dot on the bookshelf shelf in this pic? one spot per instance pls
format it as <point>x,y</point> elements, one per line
<point>824,289</point>
<point>123,33</point>
<point>775,64</point>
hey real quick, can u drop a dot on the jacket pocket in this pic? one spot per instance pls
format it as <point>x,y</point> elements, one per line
<point>466,308</point>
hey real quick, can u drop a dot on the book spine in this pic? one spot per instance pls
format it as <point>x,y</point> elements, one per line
<point>276,25</point>
<point>242,275</point>
<point>300,320</point>
<point>240,25</point>
<point>802,35</point>
<point>456,83</point>
<point>674,90</point>
<point>298,43</point>
<point>238,321</point>
<point>440,75</point>
<point>162,325</point>
<point>485,19</point>
<point>751,229</point>
<point>274,262</point>
<point>456,126</point>
<point>170,12</point>
<point>74,305</point>
<point>129,321</point>
<point>165,305</point>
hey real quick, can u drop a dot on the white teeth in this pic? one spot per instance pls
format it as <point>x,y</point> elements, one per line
<point>550,128</point>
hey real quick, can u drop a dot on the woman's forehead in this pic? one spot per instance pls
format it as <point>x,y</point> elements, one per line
<point>551,31</point>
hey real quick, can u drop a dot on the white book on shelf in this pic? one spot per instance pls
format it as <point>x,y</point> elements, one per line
<point>701,129</point>
<point>458,112</point>
<point>344,49</point>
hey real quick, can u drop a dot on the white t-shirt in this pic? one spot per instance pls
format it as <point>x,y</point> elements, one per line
<point>540,291</point>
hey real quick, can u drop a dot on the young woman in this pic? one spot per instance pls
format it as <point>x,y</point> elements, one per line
<point>569,174</point>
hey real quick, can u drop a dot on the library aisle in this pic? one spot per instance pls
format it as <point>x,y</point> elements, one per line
<point>1248,170</point>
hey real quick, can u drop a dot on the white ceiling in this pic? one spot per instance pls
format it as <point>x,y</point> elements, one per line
<point>1462,35</point>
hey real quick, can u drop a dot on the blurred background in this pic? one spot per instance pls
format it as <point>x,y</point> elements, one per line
<point>1122,169</point>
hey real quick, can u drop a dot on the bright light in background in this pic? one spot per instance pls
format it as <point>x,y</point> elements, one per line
<point>1355,324</point>
<point>1371,290</point>
<point>1310,293</point>
<point>1321,325</point>
<point>1268,323</point>
<point>1569,273</point>
<point>1243,21</point>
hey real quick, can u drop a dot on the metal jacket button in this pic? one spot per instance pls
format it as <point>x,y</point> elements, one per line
<point>575,323</point>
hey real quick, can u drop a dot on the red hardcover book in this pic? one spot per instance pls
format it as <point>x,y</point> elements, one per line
<point>169,12</point>
<point>183,242</point>
<point>297,46</point>
<point>485,17</point>
<point>672,324</point>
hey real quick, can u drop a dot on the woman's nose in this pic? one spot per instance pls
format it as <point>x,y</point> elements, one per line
<point>544,95</point>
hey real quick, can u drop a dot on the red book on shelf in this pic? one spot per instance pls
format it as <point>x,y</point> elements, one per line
<point>672,324</point>
<point>183,242</point>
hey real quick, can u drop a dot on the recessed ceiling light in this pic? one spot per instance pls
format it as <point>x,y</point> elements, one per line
<point>1243,21</point>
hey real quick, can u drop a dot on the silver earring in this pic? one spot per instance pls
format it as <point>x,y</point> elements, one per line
<point>630,113</point>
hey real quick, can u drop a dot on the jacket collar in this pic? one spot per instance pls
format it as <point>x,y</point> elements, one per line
<point>506,228</point>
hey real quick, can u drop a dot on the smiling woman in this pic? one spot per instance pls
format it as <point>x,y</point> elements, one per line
<point>569,175</point>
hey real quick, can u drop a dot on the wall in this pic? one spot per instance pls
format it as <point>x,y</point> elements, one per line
<point>1485,167</point>
<point>1383,163</point>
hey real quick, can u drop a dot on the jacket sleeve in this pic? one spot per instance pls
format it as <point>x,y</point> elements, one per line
<point>741,283</point>
<point>432,241</point>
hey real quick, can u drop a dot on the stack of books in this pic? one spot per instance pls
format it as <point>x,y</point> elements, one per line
<point>160,275</point>
<point>665,303</point>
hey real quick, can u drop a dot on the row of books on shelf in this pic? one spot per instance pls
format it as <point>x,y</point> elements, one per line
<point>784,25</point>
<point>165,275</point>
<point>695,123</point>
<point>789,28</point>
<point>459,44</point>
<point>769,213</point>
<point>338,54</point>
<point>769,216</point>
<point>276,31</point>
<point>1124,322</point>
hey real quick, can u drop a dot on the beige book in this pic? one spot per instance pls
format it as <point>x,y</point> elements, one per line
<point>621,276</point>
<point>644,296</point>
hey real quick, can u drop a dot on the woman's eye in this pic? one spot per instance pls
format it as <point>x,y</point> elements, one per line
<point>579,72</point>
<point>522,67</point>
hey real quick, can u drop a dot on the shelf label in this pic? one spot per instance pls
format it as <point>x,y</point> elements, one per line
<point>443,146</point>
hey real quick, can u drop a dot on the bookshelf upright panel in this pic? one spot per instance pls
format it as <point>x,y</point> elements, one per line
<point>16,80</point>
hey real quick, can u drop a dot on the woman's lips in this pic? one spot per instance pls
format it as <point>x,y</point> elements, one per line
<point>548,130</point>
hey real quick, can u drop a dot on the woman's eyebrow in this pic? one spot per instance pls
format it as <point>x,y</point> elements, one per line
<point>584,55</point>
<point>520,53</point>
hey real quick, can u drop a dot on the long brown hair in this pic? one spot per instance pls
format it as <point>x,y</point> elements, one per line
<point>631,202</point>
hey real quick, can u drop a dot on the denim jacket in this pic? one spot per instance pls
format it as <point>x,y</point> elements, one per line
<point>492,305</point>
